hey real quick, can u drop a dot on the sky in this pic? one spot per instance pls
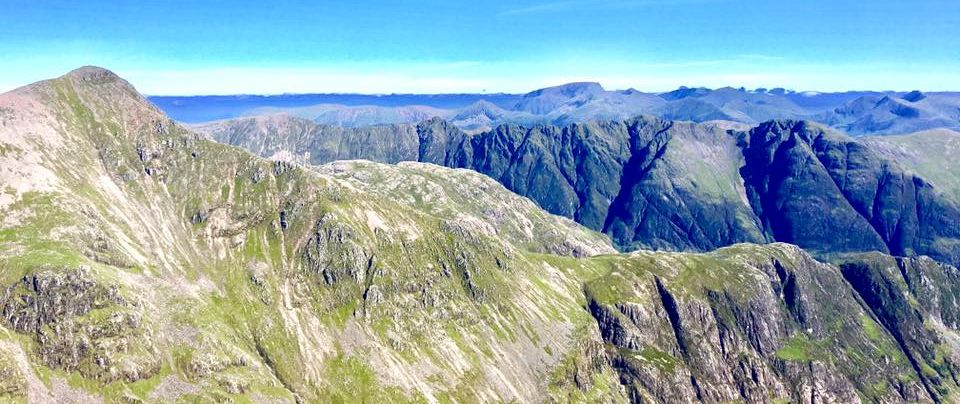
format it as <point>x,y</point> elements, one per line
<point>448,46</point>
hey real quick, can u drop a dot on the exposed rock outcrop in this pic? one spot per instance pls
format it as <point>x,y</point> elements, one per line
<point>82,325</point>
<point>766,323</point>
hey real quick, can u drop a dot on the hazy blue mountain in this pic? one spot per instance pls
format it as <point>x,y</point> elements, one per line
<point>896,113</point>
<point>483,115</point>
<point>283,137</point>
<point>857,113</point>
<point>731,104</point>
<point>548,100</point>
<point>205,108</point>
<point>818,101</point>
<point>356,116</point>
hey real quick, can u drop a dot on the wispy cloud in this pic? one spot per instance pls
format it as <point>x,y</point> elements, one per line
<point>565,5</point>
<point>551,6</point>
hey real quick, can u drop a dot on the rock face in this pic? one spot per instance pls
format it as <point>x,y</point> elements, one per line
<point>651,183</point>
<point>795,195</point>
<point>916,300</point>
<point>148,263</point>
<point>82,325</point>
<point>829,193</point>
<point>770,323</point>
<point>646,182</point>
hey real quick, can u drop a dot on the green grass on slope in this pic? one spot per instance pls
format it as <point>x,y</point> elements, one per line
<point>931,154</point>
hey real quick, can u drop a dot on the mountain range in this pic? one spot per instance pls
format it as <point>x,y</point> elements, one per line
<point>854,113</point>
<point>675,185</point>
<point>142,261</point>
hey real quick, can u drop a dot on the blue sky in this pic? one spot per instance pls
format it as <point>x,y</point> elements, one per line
<point>239,46</point>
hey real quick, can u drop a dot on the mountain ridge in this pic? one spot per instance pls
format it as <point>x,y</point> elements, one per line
<point>161,227</point>
<point>155,265</point>
<point>857,113</point>
<point>652,183</point>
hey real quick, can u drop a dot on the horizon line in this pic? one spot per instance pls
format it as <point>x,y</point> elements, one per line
<point>390,94</point>
<point>240,82</point>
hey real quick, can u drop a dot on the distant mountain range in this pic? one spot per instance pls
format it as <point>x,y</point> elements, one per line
<point>856,113</point>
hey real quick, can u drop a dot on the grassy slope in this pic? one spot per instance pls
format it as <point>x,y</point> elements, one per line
<point>932,154</point>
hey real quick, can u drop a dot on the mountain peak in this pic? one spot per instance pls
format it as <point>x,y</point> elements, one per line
<point>787,126</point>
<point>582,87</point>
<point>92,74</point>
<point>684,92</point>
<point>569,89</point>
<point>914,96</point>
<point>545,100</point>
<point>97,90</point>
<point>482,105</point>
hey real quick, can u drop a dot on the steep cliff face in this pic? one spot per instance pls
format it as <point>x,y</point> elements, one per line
<point>763,324</point>
<point>794,194</point>
<point>829,193</point>
<point>572,171</point>
<point>680,190</point>
<point>916,300</point>
<point>648,183</point>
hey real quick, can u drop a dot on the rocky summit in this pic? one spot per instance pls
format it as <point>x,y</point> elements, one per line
<point>141,261</point>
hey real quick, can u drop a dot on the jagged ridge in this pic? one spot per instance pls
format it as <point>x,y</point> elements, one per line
<point>651,183</point>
